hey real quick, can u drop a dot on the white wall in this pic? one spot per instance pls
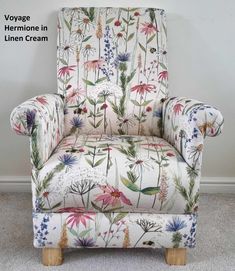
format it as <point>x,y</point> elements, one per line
<point>201,42</point>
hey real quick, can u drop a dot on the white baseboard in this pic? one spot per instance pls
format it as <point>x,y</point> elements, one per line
<point>217,185</point>
<point>208,184</point>
<point>15,184</point>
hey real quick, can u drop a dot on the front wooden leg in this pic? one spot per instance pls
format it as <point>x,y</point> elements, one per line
<point>175,256</point>
<point>52,256</point>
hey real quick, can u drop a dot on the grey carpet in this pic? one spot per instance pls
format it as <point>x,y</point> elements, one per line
<point>215,242</point>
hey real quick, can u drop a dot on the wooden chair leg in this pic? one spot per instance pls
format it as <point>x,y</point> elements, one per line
<point>52,256</point>
<point>175,256</point>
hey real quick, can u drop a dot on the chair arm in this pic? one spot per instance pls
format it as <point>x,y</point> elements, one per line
<point>186,122</point>
<point>41,118</point>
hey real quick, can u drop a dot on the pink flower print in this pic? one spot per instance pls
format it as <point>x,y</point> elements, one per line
<point>163,75</point>
<point>148,28</point>
<point>93,65</point>
<point>42,100</point>
<point>66,70</point>
<point>177,108</point>
<point>112,196</point>
<point>143,88</point>
<point>78,216</point>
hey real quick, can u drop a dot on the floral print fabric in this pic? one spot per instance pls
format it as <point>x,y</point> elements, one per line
<point>186,123</point>
<point>41,118</point>
<point>116,163</point>
<point>126,173</point>
<point>112,69</point>
<point>78,229</point>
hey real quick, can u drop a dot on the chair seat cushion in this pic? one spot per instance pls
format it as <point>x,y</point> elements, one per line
<point>101,173</point>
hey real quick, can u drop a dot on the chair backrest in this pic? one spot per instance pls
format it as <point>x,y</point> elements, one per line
<point>112,69</point>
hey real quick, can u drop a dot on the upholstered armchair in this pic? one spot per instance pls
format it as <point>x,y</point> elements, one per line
<point>115,161</point>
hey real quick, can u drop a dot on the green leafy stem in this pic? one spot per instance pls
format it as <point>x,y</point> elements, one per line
<point>130,184</point>
<point>93,153</point>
